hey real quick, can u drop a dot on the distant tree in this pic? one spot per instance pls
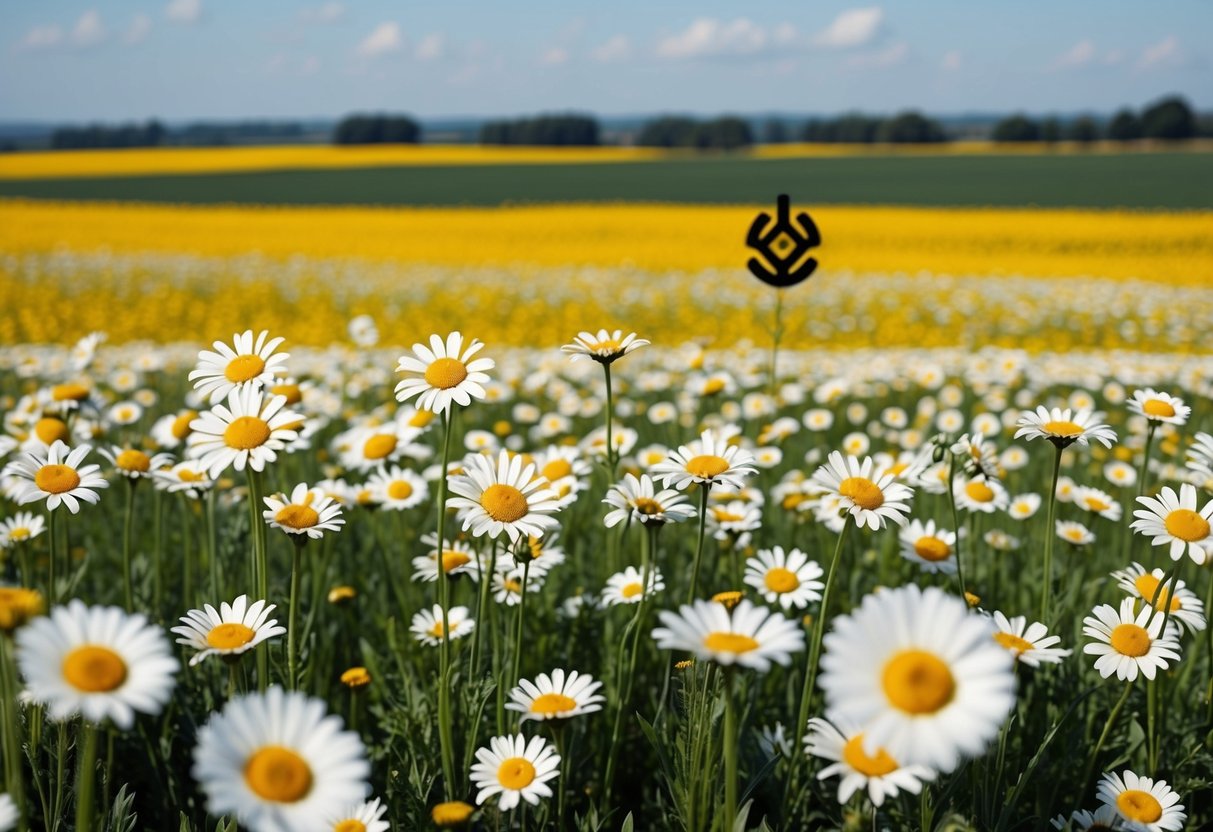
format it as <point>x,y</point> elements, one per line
<point>724,133</point>
<point>1050,130</point>
<point>909,127</point>
<point>1170,118</point>
<point>1016,128</point>
<point>668,131</point>
<point>1083,130</point>
<point>99,135</point>
<point>376,129</point>
<point>549,130</point>
<point>1125,126</point>
<point>819,130</point>
<point>856,128</point>
<point>1204,125</point>
<point>775,131</point>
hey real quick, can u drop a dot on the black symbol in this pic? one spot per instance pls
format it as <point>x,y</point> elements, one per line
<point>783,245</point>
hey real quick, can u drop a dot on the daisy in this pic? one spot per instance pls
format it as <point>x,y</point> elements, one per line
<point>1128,643</point>
<point>234,629</point>
<point>1064,427</point>
<point>277,763</point>
<point>1103,819</point>
<point>245,365</point>
<point>605,347</point>
<point>248,431</point>
<point>1186,608</point>
<point>639,500</point>
<point>172,429</point>
<point>1073,533</point>
<point>1174,520</point>
<point>427,625</point>
<point>133,463</point>
<point>97,661</point>
<point>1120,474</point>
<point>976,454</point>
<point>880,773</point>
<point>457,559</point>
<point>507,585</point>
<point>1159,407</point>
<point>22,527</point>
<point>708,459</point>
<point>17,606</point>
<point>125,413</point>
<point>870,501</point>
<point>8,813</point>
<point>307,511</point>
<point>747,635</point>
<point>1023,506</point>
<point>1147,804</point>
<point>188,478</point>
<point>1028,644</point>
<point>443,373</point>
<point>451,813</point>
<point>556,697</point>
<point>932,548</point>
<point>503,497</point>
<point>369,447</point>
<point>628,586</point>
<point>364,817</point>
<point>1200,455</point>
<point>921,673</point>
<point>1097,502</point>
<point>1000,541</point>
<point>515,769</point>
<point>398,488</point>
<point>790,579</point>
<point>56,476</point>
<point>980,495</point>
<point>734,521</point>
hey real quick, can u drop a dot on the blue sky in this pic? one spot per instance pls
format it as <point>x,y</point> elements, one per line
<point>181,59</point>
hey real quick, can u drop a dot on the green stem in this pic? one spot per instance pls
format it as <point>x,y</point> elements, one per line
<point>819,627</point>
<point>482,603</point>
<point>292,641</point>
<point>777,335</point>
<point>260,564</point>
<point>960,573</point>
<point>127,580</point>
<point>610,420</point>
<point>54,555</point>
<point>1050,534</point>
<point>9,723</point>
<point>444,653</point>
<point>730,750</point>
<point>1103,736</point>
<point>212,544</point>
<point>1144,471</point>
<point>86,778</point>
<point>704,488</point>
<point>526,571</point>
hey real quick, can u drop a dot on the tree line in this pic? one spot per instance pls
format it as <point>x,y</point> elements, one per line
<point>1169,119</point>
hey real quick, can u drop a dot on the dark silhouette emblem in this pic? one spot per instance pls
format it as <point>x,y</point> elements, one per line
<point>782,246</point>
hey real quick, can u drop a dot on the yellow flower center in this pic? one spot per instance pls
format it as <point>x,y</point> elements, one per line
<point>979,491</point>
<point>932,548</point>
<point>1147,585</point>
<point>647,506</point>
<point>452,560</point>
<point>504,503</point>
<point>18,533</point>
<point>1130,640</point>
<point>379,446</point>
<point>246,433</point>
<point>1014,643</point>
<point>278,774</point>
<point>350,825</point>
<point>1096,504</point>
<point>181,425</point>
<point>1140,806</point>
<point>713,386</point>
<point>244,368</point>
<point>133,460</point>
<point>68,392</point>
<point>49,429</point>
<point>229,636</point>
<point>707,466</point>
<point>356,677</point>
<point>781,580</point>
<point>92,668</point>
<point>436,630</point>
<point>291,391</point>
<point>296,516</point>
<point>56,479</point>
<point>862,492</point>
<point>918,682</point>
<point>420,419</point>
<point>729,643</point>
<point>450,814</point>
<point>399,490</point>
<point>878,766</point>
<point>631,590</point>
<point>556,469</point>
<point>1157,407</point>
<point>445,373</point>
<point>512,585</point>
<point>1187,525</point>
<point>516,773</point>
<point>186,475</point>
<point>553,703</point>
<point>17,606</point>
<point>725,516</point>
<point>1062,428</point>
<point>610,345</point>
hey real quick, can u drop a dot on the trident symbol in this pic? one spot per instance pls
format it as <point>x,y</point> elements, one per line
<point>782,246</point>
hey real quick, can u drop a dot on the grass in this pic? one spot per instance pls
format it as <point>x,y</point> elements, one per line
<point>1132,180</point>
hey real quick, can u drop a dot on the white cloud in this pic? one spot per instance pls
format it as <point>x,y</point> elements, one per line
<point>327,13</point>
<point>89,29</point>
<point>952,61</point>
<point>854,27</point>
<point>385,38</point>
<point>183,11</point>
<point>42,37</point>
<point>889,56</point>
<point>431,48</point>
<point>618,48</point>
<point>140,26</point>
<point>555,56</point>
<point>708,37</point>
<point>1164,53</point>
<point>1080,54</point>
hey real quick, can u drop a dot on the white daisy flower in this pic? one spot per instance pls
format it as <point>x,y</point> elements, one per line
<point>503,497</point>
<point>125,413</point>
<point>398,488</point>
<point>734,521</point>
<point>1023,506</point>
<point>135,464</point>
<point>57,477</point>
<point>1076,534</point>
<point>1120,474</point>
<point>747,635</point>
<point>365,817</point>
<point>558,696</point>
<point>515,769</point>
<point>1186,609</point>
<point>247,364</point>
<point>306,511</point>
<point>1128,643</point>
<point>1097,502</point>
<point>858,768</point>
<point>427,625</point>
<point>363,331</point>
<point>99,662</point>
<point>22,527</point>
<point>976,454</point>
<point>790,579</point>
<point>234,629</point>
<point>708,459</point>
<point>457,559</point>
<point>1200,455</point>
<point>247,432</point>
<point>1103,819</point>
<point>188,478</point>
<point>628,586</point>
<point>443,373</point>
<point>871,500</point>
<point>1000,541</point>
<point>931,547</point>
<point>277,763</point>
<point>368,447</point>
<point>1148,805</point>
<point>1157,406</point>
<point>980,494</point>
<point>1174,520</point>
<point>1030,645</point>
<point>639,499</point>
<point>605,347</point>
<point>507,585</point>
<point>1064,427</point>
<point>921,673</point>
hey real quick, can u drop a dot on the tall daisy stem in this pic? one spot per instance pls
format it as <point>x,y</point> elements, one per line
<point>730,750</point>
<point>1103,736</point>
<point>260,565</point>
<point>514,676</point>
<point>444,590</point>
<point>819,627</point>
<point>292,639</point>
<point>86,777</point>
<point>1046,589</point>
<point>51,558</point>
<point>1144,472</point>
<point>704,488</point>
<point>9,724</point>
<point>610,424</point>
<point>1163,593</point>
<point>960,573</point>
<point>128,589</point>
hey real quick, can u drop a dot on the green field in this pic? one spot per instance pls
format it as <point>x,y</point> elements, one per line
<point>1137,180</point>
